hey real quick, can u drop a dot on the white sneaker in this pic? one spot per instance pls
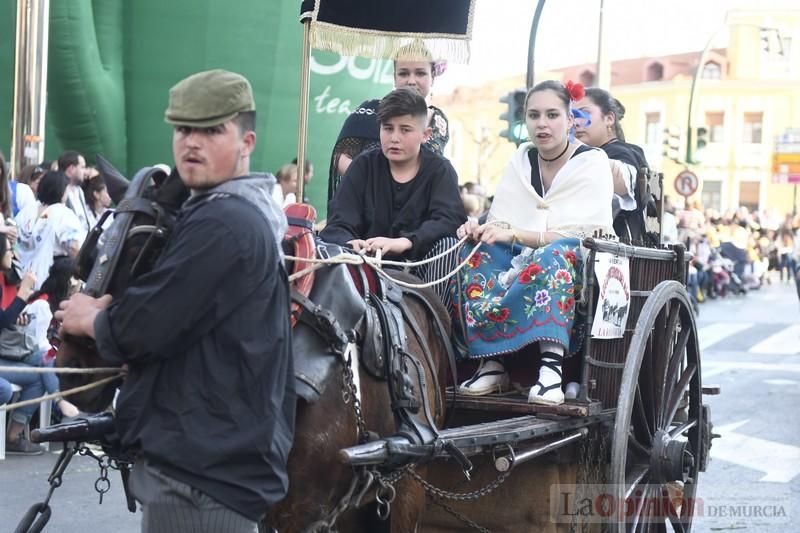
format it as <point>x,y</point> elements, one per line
<point>490,377</point>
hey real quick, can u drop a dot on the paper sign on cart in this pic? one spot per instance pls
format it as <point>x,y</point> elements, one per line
<point>614,299</point>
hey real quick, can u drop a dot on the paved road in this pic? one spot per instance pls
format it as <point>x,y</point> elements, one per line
<point>751,348</point>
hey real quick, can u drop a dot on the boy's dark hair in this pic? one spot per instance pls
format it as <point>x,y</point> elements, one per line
<point>51,187</point>
<point>400,102</point>
<point>246,120</point>
<point>67,159</point>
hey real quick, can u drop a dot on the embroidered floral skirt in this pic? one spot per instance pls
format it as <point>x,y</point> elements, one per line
<point>506,300</point>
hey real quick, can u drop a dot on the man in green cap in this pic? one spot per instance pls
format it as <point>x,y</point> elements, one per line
<point>208,403</point>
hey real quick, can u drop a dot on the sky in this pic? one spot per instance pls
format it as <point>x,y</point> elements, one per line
<point>568,33</point>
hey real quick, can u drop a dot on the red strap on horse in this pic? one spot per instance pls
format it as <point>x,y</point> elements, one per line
<point>300,236</point>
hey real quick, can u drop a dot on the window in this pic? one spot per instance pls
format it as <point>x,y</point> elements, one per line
<point>715,121</point>
<point>652,128</point>
<point>711,196</point>
<point>748,194</point>
<point>655,72</point>
<point>712,71</point>
<point>753,123</point>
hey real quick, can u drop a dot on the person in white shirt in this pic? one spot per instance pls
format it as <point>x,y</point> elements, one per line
<point>287,179</point>
<point>48,228</point>
<point>73,165</point>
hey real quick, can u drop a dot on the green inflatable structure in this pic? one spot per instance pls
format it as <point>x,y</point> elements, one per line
<point>112,62</point>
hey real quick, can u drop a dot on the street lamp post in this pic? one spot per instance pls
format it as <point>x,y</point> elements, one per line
<point>532,43</point>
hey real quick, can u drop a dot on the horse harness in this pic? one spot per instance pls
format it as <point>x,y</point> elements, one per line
<point>99,277</point>
<point>384,352</point>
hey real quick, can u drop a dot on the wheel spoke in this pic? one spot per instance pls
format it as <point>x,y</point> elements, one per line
<point>683,428</point>
<point>635,477</point>
<point>641,449</point>
<point>675,518</point>
<point>644,426</point>
<point>640,506</point>
<point>671,375</point>
<point>675,397</point>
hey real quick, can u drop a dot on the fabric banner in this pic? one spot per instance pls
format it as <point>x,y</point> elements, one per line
<point>379,28</point>
<point>614,300</point>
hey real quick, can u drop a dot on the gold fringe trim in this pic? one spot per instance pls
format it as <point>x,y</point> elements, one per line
<point>371,43</point>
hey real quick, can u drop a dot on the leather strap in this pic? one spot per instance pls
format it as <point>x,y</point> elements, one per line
<point>322,321</point>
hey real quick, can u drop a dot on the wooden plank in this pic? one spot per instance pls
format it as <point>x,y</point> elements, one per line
<point>519,405</point>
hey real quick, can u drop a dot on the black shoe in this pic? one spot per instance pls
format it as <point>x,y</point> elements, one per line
<point>22,446</point>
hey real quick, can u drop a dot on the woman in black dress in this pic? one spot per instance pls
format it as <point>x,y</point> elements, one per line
<point>603,130</point>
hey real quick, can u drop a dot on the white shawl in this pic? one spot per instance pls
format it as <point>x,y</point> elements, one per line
<point>577,204</point>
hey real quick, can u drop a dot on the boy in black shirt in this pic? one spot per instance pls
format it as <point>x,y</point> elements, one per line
<point>402,199</point>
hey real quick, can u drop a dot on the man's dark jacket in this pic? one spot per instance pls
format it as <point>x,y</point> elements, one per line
<point>209,398</point>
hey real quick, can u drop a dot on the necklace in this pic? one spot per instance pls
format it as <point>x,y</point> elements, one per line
<point>564,151</point>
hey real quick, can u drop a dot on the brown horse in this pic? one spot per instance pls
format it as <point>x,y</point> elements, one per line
<point>319,481</point>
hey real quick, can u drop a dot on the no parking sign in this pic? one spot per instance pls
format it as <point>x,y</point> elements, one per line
<point>686,183</point>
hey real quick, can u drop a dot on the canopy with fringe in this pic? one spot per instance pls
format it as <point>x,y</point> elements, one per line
<point>379,28</point>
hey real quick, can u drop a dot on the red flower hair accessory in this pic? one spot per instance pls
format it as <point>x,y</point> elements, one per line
<point>575,90</point>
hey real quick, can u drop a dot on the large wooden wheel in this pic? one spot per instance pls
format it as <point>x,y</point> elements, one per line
<point>657,448</point>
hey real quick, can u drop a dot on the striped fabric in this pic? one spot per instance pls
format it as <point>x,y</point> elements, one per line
<point>170,506</point>
<point>439,268</point>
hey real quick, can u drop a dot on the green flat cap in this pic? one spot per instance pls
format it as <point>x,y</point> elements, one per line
<point>209,98</point>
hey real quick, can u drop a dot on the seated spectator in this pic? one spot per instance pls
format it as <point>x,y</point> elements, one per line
<point>5,391</point>
<point>401,200</point>
<point>48,227</point>
<point>34,327</point>
<point>32,386</point>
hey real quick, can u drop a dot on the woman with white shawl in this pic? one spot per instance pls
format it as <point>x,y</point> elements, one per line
<point>521,286</point>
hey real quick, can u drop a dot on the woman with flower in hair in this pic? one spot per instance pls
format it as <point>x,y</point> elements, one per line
<point>603,130</point>
<point>413,67</point>
<point>522,285</point>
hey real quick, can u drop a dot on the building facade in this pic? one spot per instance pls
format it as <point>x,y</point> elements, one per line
<point>748,94</point>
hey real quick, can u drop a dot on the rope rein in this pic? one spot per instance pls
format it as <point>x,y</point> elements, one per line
<point>349,258</point>
<point>76,390</point>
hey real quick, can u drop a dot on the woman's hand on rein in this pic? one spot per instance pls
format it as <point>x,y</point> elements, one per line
<point>471,229</point>
<point>494,233</point>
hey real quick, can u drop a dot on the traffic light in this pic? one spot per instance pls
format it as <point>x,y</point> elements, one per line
<point>517,130</point>
<point>672,143</point>
<point>698,139</point>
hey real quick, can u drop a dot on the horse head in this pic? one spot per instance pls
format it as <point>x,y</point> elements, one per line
<point>111,259</point>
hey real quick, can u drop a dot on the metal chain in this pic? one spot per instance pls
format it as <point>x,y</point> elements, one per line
<point>350,394</point>
<point>460,496</point>
<point>460,516</point>
<point>581,479</point>
<point>102,484</point>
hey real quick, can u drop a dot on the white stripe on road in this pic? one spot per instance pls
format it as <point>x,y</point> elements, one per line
<point>712,368</point>
<point>786,341</point>
<point>713,333</point>
<point>779,462</point>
